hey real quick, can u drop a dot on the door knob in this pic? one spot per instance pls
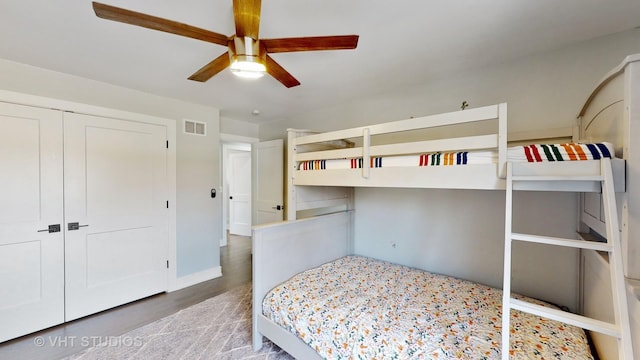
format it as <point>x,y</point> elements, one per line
<point>51,228</point>
<point>277,207</point>
<point>74,226</point>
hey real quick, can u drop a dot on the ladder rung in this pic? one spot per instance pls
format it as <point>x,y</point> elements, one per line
<point>557,178</point>
<point>566,317</point>
<point>581,244</point>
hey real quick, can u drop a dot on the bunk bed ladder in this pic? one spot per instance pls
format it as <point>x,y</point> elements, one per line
<point>621,328</point>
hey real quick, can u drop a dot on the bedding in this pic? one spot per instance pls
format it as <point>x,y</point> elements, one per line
<point>361,308</point>
<point>528,153</point>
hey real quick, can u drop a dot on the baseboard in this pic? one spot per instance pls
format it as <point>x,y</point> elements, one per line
<point>196,278</point>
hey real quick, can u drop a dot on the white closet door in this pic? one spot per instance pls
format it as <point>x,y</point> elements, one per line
<point>31,261</point>
<point>115,181</point>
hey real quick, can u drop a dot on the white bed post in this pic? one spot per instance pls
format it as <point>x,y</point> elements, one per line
<point>366,153</point>
<point>619,291</point>
<point>502,140</point>
<point>290,173</point>
<point>506,285</point>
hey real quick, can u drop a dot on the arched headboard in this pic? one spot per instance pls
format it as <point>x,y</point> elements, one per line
<point>603,116</point>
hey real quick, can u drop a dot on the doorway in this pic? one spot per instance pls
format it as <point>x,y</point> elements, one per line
<point>236,186</point>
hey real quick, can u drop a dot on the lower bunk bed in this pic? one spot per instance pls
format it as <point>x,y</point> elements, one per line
<point>316,301</point>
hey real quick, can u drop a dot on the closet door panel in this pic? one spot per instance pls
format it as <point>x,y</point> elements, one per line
<point>31,257</point>
<point>116,192</point>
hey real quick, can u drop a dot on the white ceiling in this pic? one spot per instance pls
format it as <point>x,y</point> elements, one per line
<point>403,43</point>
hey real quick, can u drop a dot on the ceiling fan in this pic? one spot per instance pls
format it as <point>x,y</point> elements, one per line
<point>247,54</point>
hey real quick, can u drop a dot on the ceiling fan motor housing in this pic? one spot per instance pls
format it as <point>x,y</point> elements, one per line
<point>246,49</point>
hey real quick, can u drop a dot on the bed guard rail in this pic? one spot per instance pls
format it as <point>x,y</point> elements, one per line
<point>497,140</point>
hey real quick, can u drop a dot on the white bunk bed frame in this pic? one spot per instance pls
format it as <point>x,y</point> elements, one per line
<point>612,113</point>
<point>311,189</point>
<point>331,145</point>
<point>284,249</point>
<point>483,176</point>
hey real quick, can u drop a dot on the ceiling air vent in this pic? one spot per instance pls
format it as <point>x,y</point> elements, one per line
<point>195,127</point>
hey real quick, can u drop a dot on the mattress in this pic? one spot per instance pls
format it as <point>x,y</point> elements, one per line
<point>361,308</point>
<point>528,153</point>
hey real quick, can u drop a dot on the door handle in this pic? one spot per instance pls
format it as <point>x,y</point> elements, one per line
<point>51,229</point>
<point>278,207</point>
<point>74,226</point>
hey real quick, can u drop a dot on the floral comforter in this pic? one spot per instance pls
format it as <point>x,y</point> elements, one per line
<point>361,308</point>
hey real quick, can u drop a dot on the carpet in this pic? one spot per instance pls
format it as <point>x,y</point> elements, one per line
<point>218,328</point>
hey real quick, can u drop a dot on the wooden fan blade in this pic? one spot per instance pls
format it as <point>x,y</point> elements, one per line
<point>246,14</point>
<point>340,42</point>
<point>155,23</point>
<point>279,73</point>
<point>206,72</point>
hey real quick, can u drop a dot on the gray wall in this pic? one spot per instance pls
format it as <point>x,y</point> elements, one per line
<point>239,128</point>
<point>543,90</point>
<point>198,216</point>
<point>461,232</point>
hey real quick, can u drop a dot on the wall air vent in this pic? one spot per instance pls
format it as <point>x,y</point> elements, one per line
<point>194,127</point>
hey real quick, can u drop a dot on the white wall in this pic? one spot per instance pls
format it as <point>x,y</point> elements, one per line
<point>239,128</point>
<point>460,232</point>
<point>198,216</point>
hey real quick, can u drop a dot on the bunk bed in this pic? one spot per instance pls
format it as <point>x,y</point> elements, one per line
<point>322,170</point>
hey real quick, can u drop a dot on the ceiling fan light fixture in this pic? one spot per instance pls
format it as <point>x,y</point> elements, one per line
<point>246,61</point>
<point>248,67</point>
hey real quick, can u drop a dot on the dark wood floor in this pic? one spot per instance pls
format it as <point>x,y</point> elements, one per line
<point>68,339</point>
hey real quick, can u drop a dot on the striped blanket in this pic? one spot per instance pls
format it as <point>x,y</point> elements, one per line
<point>564,152</point>
<point>529,153</point>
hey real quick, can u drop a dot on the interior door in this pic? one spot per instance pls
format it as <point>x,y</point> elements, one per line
<point>116,234</point>
<point>267,190</point>
<point>31,256</point>
<point>240,193</point>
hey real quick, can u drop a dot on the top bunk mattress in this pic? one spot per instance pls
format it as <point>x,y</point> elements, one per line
<point>528,153</point>
<point>361,308</point>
